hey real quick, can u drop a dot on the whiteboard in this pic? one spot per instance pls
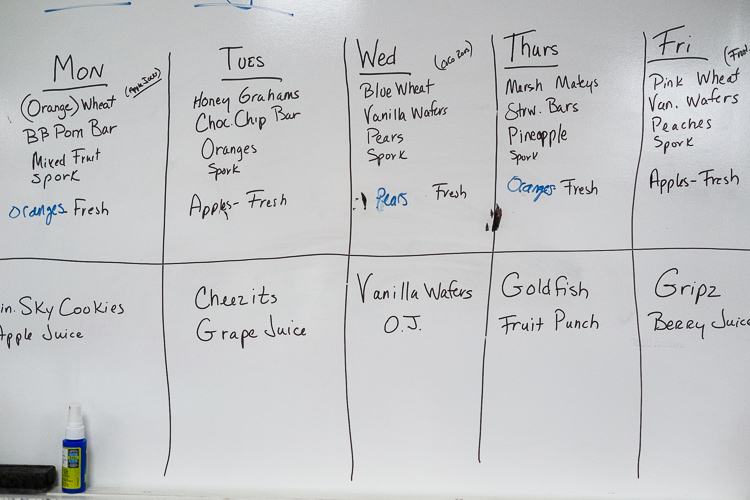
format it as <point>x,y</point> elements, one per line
<point>349,248</point>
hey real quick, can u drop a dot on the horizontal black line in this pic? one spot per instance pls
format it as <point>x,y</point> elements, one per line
<point>250,259</point>
<point>251,78</point>
<point>591,250</point>
<point>77,88</point>
<point>374,256</point>
<point>518,34</point>
<point>721,249</point>
<point>532,67</point>
<point>387,73</point>
<point>80,261</point>
<point>678,59</point>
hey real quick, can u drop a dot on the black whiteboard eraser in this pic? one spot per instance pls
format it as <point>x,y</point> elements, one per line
<point>27,478</point>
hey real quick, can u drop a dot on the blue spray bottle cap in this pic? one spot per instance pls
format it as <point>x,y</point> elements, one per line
<point>74,428</point>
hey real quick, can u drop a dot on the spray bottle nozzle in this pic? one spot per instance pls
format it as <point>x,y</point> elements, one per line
<point>74,428</point>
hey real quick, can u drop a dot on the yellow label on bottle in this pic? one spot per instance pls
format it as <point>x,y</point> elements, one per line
<point>71,468</point>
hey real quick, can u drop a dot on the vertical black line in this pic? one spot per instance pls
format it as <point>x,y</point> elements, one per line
<point>348,262</point>
<point>492,260</point>
<point>632,258</point>
<point>163,267</point>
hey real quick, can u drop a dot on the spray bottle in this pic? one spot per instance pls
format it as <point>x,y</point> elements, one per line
<point>74,452</point>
